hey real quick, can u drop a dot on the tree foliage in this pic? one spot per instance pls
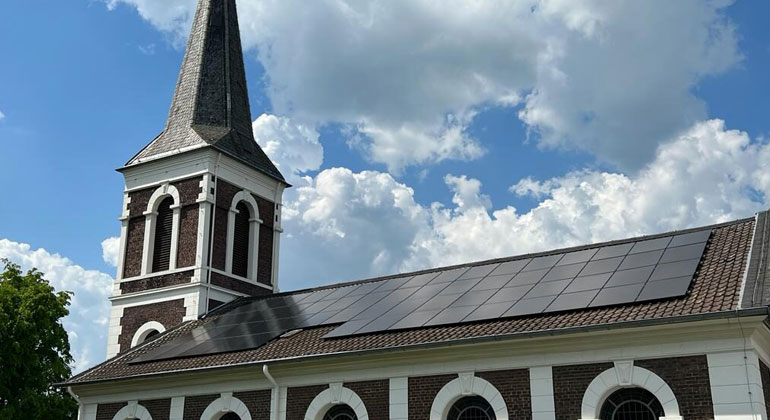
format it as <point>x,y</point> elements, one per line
<point>34,347</point>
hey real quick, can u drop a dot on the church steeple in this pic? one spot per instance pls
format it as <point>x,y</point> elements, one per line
<point>201,220</point>
<point>211,103</point>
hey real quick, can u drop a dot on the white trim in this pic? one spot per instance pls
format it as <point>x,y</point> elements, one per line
<point>158,274</point>
<point>132,411</point>
<point>467,384</point>
<point>160,193</point>
<point>143,331</point>
<point>625,375</point>
<point>334,395</point>
<point>243,279</point>
<point>736,386</point>
<point>176,412</point>
<point>254,223</point>
<point>399,398</point>
<point>748,263</point>
<point>226,403</point>
<point>541,393</point>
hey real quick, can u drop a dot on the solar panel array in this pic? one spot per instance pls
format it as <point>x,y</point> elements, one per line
<point>593,277</point>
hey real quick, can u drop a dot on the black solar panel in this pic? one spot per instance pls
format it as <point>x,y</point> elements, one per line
<point>638,271</point>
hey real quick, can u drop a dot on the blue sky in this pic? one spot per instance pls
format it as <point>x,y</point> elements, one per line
<point>447,133</point>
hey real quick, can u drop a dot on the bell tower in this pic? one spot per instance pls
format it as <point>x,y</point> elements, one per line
<point>201,218</point>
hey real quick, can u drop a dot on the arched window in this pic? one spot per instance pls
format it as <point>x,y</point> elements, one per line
<point>241,235</point>
<point>161,254</point>
<point>631,404</point>
<point>471,408</point>
<point>340,412</point>
<point>230,416</point>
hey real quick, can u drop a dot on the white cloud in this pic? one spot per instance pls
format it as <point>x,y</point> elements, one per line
<point>613,78</point>
<point>2,115</point>
<point>343,225</point>
<point>294,148</point>
<point>89,311</point>
<point>110,248</point>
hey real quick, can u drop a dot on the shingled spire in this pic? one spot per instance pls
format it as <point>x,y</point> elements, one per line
<point>211,102</point>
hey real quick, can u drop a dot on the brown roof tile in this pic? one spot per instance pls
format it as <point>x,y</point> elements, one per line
<point>715,288</point>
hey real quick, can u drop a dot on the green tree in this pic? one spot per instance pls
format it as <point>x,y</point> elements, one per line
<point>34,349</point>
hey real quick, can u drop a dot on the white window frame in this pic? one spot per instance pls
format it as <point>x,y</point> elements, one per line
<point>254,225</point>
<point>625,375</point>
<point>142,332</point>
<point>467,384</point>
<point>132,411</point>
<point>151,216</point>
<point>226,403</point>
<point>334,395</point>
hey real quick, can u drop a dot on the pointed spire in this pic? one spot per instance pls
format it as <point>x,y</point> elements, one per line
<point>211,102</point>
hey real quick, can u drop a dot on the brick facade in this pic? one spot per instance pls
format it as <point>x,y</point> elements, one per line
<point>514,387</point>
<point>159,409</point>
<point>156,282</point>
<point>188,189</point>
<point>298,400</point>
<point>108,411</point>
<point>688,377</point>
<point>375,395</point>
<point>258,403</point>
<point>240,286</point>
<point>422,391</point>
<point>569,385</point>
<point>194,406</point>
<point>225,194</point>
<point>169,314</point>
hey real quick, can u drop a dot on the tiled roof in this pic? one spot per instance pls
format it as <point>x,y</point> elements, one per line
<point>211,103</point>
<point>716,288</point>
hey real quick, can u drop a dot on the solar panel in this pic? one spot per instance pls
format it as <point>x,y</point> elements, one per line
<point>651,269</point>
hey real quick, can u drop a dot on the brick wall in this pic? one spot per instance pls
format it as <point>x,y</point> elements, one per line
<point>169,313</point>
<point>195,406</point>
<point>688,377</point>
<point>108,411</point>
<point>132,266</point>
<point>375,395</point>
<point>188,225</point>
<point>225,194</point>
<point>240,286</point>
<point>422,391</point>
<point>298,400</point>
<point>514,387</point>
<point>258,403</point>
<point>569,385</point>
<point>159,409</point>
<point>764,372</point>
<point>156,282</point>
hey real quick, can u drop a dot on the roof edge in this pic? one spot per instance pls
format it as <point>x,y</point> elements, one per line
<point>706,316</point>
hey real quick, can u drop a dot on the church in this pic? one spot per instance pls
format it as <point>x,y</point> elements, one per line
<point>671,326</point>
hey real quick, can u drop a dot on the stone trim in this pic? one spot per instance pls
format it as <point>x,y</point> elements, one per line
<point>226,403</point>
<point>334,395</point>
<point>144,330</point>
<point>399,398</point>
<point>541,393</point>
<point>254,224</point>
<point>467,384</point>
<point>736,385</point>
<point>165,190</point>
<point>132,411</point>
<point>624,374</point>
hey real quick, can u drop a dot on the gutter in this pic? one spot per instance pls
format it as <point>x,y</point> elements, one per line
<point>738,313</point>
<point>275,395</point>
<point>77,399</point>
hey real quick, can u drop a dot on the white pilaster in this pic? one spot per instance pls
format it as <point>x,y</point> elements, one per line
<point>114,330</point>
<point>177,408</point>
<point>399,402</point>
<point>541,392</point>
<point>736,386</point>
<point>282,404</point>
<point>175,220</point>
<point>87,412</point>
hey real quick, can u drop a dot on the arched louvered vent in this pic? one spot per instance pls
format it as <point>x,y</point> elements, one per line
<point>161,254</point>
<point>241,240</point>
